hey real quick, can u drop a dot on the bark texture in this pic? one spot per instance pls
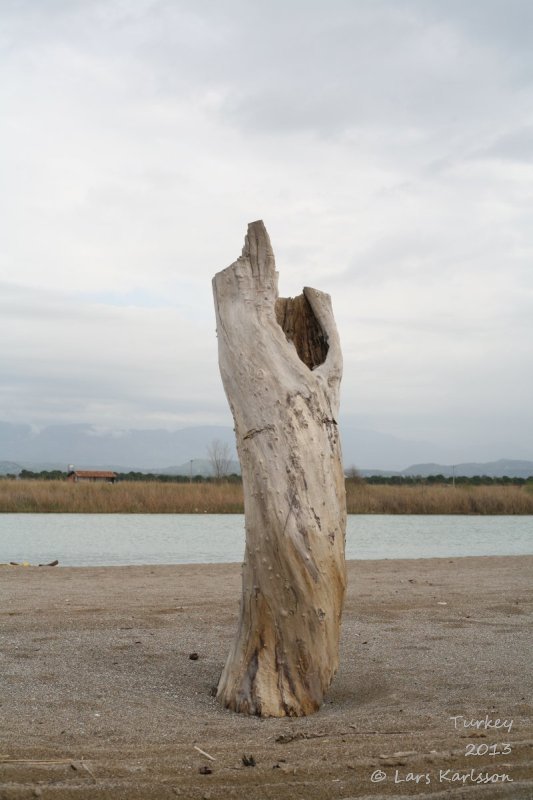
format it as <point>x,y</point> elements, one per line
<point>281,367</point>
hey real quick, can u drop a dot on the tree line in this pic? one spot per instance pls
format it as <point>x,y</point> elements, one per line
<point>433,480</point>
<point>59,475</point>
<point>352,477</point>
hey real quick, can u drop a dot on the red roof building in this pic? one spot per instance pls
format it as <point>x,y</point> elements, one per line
<point>91,475</point>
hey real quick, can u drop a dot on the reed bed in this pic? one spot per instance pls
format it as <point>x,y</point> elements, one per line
<point>363,498</point>
<point>27,496</point>
<point>129,497</point>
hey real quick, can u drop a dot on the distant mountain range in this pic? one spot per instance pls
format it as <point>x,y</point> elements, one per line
<point>57,446</point>
<point>493,469</point>
<point>182,451</point>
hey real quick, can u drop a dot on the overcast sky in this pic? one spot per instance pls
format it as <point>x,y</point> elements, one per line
<point>387,145</point>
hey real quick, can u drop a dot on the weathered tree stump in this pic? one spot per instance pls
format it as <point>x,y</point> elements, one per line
<point>281,367</point>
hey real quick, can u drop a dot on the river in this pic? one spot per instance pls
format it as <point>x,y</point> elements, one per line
<point>115,539</point>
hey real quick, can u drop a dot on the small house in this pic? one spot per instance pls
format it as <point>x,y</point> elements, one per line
<point>91,476</point>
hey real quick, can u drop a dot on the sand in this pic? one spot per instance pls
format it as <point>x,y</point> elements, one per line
<point>99,698</point>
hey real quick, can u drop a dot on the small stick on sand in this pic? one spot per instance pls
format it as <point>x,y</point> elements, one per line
<point>204,753</point>
<point>34,760</point>
<point>89,770</point>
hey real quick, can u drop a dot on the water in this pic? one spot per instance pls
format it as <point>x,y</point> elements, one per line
<point>112,539</point>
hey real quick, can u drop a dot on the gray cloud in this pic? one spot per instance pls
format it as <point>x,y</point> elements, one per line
<point>515,146</point>
<point>83,361</point>
<point>387,146</point>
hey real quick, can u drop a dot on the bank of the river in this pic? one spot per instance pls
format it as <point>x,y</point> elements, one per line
<point>100,698</point>
<point>35,496</point>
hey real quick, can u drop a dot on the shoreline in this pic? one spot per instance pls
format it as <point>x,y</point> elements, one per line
<point>95,666</point>
<point>241,513</point>
<point>237,564</point>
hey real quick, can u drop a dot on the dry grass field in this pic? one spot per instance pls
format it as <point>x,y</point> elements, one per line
<point>438,499</point>
<point>27,496</point>
<point>129,497</point>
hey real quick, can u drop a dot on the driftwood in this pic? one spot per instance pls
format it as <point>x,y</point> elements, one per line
<point>281,367</point>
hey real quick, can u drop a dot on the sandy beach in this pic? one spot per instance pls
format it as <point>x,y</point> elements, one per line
<point>100,699</point>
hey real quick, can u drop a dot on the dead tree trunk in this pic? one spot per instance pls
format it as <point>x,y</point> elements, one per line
<point>281,367</point>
